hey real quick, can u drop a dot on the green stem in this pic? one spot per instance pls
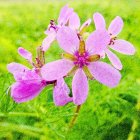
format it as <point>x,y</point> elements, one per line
<point>75,116</point>
<point>135,124</point>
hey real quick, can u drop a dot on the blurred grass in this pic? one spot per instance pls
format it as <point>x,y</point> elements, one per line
<point>108,114</point>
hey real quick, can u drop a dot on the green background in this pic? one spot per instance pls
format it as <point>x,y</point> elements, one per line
<point>107,114</point>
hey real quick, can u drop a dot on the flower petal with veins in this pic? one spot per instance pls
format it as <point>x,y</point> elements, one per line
<point>68,39</point>
<point>64,15</point>
<point>105,73</point>
<point>17,70</point>
<point>48,41</point>
<point>114,60</point>
<point>99,21</point>
<point>123,46</point>
<point>25,54</point>
<point>79,87</point>
<point>24,91</point>
<point>74,21</point>
<point>61,93</point>
<point>116,26</point>
<point>56,69</point>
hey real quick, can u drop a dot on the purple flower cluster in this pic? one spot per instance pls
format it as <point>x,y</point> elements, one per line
<point>82,59</point>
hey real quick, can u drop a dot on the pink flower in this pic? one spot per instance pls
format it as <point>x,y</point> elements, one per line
<point>119,45</point>
<point>29,83</point>
<point>67,17</point>
<point>51,32</point>
<point>81,59</point>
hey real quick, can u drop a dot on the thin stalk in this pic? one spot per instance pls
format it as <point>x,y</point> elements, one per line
<point>14,114</point>
<point>73,121</point>
<point>135,124</point>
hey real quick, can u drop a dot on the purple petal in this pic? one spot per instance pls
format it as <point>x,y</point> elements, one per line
<point>85,24</point>
<point>105,73</point>
<point>123,47</point>
<point>16,67</point>
<point>116,26</point>
<point>24,91</point>
<point>97,41</point>
<point>74,21</point>
<point>57,69</point>
<point>25,54</point>
<point>61,93</point>
<point>31,75</point>
<point>48,41</point>
<point>79,87</point>
<point>64,15</point>
<point>99,21</point>
<point>114,60</point>
<point>17,70</point>
<point>67,39</point>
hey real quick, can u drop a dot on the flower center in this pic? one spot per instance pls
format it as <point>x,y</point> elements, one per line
<point>53,25</point>
<point>112,39</point>
<point>81,59</point>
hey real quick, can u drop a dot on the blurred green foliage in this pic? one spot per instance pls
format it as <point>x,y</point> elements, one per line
<point>108,114</point>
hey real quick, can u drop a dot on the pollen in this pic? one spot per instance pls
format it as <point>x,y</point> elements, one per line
<point>81,59</point>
